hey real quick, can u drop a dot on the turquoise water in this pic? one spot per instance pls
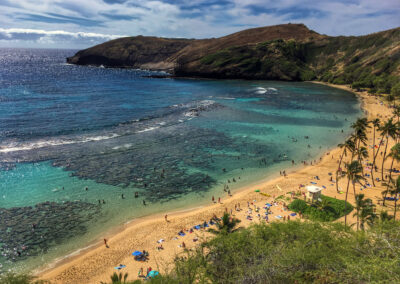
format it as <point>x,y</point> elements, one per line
<point>77,143</point>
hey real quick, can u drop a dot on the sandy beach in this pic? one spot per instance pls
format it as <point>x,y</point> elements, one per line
<point>97,263</point>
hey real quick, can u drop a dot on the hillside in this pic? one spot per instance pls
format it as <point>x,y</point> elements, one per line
<point>282,52</point>
<point>132,52</point>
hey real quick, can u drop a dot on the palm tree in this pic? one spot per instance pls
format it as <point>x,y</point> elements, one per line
<point>375,124</point>
<point>360,128</point>
<point>396,112</point>
<point>347,146</point>
<point>226,225</point>
<point>395,154</point>
<point>364,211</point>
<point>384,216</point>
<point>394,190</point>
<point>389,129</point>
<point>362,153</point>
<point>323,204</point>
<point>117,278</point>
<point>353,171</point>
<point>361,124</point>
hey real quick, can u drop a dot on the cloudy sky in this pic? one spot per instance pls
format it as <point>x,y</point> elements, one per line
<point>82,23</point>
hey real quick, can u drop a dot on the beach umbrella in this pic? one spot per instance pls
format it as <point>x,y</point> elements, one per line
<point>153,273</point>
<point>137,253</point>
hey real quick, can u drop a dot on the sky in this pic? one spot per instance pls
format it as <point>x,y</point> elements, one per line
<point>83,23</point>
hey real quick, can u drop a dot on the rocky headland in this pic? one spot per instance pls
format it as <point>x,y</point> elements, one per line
<point>283,52</point>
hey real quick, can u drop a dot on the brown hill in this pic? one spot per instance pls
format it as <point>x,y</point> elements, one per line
<point>282,52</point>
<point>162,53</point>
<point>132,52</point>
<point>200,48</point>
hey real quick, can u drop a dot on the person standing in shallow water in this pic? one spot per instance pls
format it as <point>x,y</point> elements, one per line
<point>144,202</point>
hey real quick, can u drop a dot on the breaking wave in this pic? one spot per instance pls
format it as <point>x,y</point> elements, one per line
<point>172,115</point>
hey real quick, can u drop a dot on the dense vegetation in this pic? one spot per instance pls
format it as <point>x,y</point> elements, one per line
<point>293,252</point>
<point>276,59</point>
<point>328,209</point>
<point>369,62</point>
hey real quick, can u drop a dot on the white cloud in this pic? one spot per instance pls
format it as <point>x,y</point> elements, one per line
<point>18,36</point>
<point>92,21</point>
<point>11,32</point>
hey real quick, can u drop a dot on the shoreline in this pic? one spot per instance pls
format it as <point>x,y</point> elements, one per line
<point>67,270</point>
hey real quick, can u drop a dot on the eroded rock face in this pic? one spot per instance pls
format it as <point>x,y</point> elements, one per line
<point>29,231</point>
<point>131,52</point>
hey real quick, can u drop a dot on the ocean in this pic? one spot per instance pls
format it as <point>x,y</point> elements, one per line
<point>85,149</point>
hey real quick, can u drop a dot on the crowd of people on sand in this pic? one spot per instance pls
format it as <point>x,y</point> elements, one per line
<point>254,210</point>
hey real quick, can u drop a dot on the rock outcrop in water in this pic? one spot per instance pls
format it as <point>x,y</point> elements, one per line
<point>282,52</point>
<point>32,230</point>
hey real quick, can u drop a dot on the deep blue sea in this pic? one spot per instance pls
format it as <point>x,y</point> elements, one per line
<point>77,143</point>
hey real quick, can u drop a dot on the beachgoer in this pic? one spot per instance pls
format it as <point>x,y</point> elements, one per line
<point>213,200</point>
<point>140,274</point>
<point>166,217</point>
<point>144,202</point>
<point>105,243</point>
<point>122,196</point>
<point>219,199</point>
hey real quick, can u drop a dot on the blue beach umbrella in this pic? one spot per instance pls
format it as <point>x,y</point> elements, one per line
<point>137,253</point>
<point>153,273</point>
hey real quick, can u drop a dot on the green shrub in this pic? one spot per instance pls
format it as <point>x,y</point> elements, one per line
<point>298,205</point>
<point>334,210</point>
<point>294,252</point>
<point>14,278</point>
<point>307,75</point>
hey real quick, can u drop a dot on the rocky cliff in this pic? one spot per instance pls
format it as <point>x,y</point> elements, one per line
<point>132,52</point>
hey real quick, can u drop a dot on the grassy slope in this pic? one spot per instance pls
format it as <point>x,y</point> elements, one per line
<point>294,252</point>
<point>371,61</point>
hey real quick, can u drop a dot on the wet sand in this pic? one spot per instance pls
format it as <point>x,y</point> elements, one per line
<point>97,263</point>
